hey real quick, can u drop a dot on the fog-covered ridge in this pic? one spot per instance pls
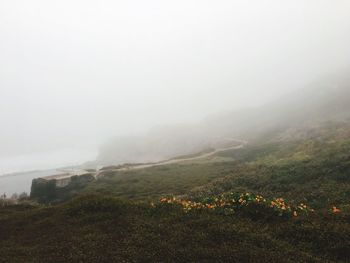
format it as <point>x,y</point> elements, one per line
<point>74,74</point>
<point>325,100</point>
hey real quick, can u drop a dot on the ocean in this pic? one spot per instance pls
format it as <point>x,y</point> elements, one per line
<point>17,173</point>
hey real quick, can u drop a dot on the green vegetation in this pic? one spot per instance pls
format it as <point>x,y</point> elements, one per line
<point>132,216</point>
<point>104,229</point>
<point>314,170</point>
<point>46,191</point>
<point>194,155</point>
<point>43,190</point>
<point>153,183</point>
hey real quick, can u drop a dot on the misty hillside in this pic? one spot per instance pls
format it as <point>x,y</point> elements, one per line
<point>175,131</point>
<point>157,145</point>
<point>269,201</point>
<point>325,101</point>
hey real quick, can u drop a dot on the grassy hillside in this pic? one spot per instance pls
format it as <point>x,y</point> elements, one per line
<point>313,169</point>
<point>105,229</point>
<point>327,100</point>
<point>120,218</point>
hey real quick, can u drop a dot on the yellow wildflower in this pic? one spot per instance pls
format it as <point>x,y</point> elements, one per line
<point>335,210</point>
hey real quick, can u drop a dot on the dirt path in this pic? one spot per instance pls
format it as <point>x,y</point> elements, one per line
<point>173,161</point>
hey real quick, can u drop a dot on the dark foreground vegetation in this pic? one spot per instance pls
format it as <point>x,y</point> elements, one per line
<point>297,209</point>
<point>97,228</point>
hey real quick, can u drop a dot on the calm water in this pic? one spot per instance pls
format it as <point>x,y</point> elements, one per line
<point>14,179</point>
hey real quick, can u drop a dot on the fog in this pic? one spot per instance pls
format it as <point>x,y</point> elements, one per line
<point>73,74</point>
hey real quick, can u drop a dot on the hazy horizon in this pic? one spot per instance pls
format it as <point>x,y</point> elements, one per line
<point>71,78</point>
<point>175,131</point>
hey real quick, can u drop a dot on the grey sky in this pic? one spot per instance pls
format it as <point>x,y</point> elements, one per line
<point>74,73</point>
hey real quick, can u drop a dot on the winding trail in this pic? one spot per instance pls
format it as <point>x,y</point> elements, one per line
<point>174,161</point>
<point>64,177</point>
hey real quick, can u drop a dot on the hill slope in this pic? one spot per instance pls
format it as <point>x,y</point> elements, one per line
<point>321,102</point>
<point>104,229</point>
<point>283,197</point>
<point>97,221</point>
<point>313,166</point>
